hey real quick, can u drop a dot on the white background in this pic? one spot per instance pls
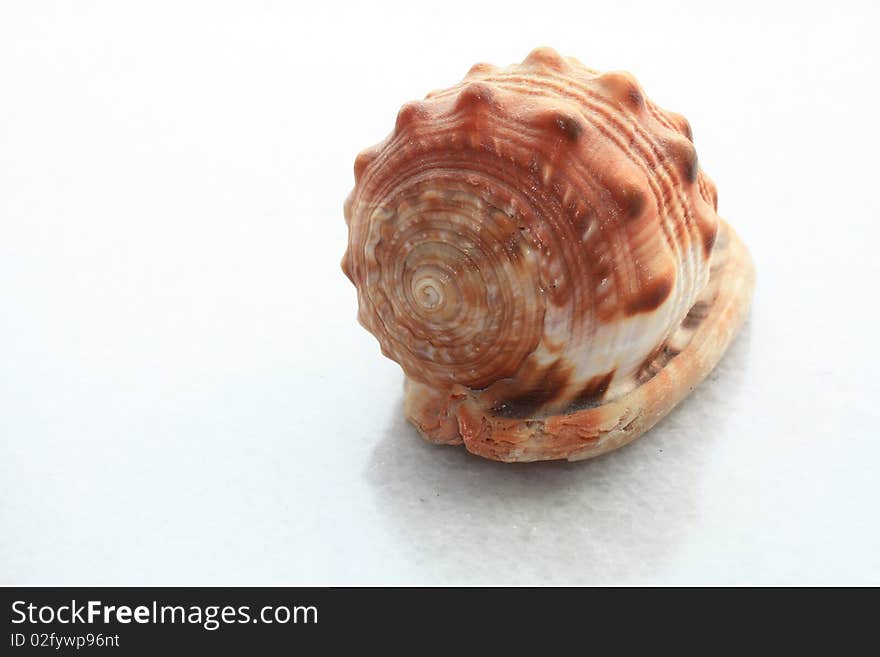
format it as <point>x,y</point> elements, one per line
<point>186,396</point>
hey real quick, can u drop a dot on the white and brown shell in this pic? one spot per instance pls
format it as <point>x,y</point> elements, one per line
<point>540,251</point>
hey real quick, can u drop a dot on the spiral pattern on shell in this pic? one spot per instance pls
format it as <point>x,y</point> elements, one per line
<point>535,233</point>
<point>455,296</point>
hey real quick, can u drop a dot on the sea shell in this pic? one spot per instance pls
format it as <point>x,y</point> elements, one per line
<point>539,249</point>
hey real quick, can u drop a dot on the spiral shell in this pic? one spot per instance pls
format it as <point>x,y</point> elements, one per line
<point>525,244</point>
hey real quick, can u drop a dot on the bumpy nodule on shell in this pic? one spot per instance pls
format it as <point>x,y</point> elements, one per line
<point>534,233</point>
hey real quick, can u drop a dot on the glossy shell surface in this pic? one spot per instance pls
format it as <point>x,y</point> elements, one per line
<point>530,239</point>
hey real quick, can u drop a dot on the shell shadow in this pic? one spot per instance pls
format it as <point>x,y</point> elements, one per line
<point>465,520</point>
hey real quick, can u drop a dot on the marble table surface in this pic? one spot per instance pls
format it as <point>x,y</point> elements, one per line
<point>187,397</point>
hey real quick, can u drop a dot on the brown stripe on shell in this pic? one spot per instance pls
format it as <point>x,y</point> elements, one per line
<point>592,393</point>
<point>570,127</point>
<point>624,88</point>
<point>636,98</point>
<point>698,312</point>
<point>549,383</point>
<point>684,154</point>
<point>650,297</point>
<point>710,234</point>
<point>654,363</point>
<point>630,200</point>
